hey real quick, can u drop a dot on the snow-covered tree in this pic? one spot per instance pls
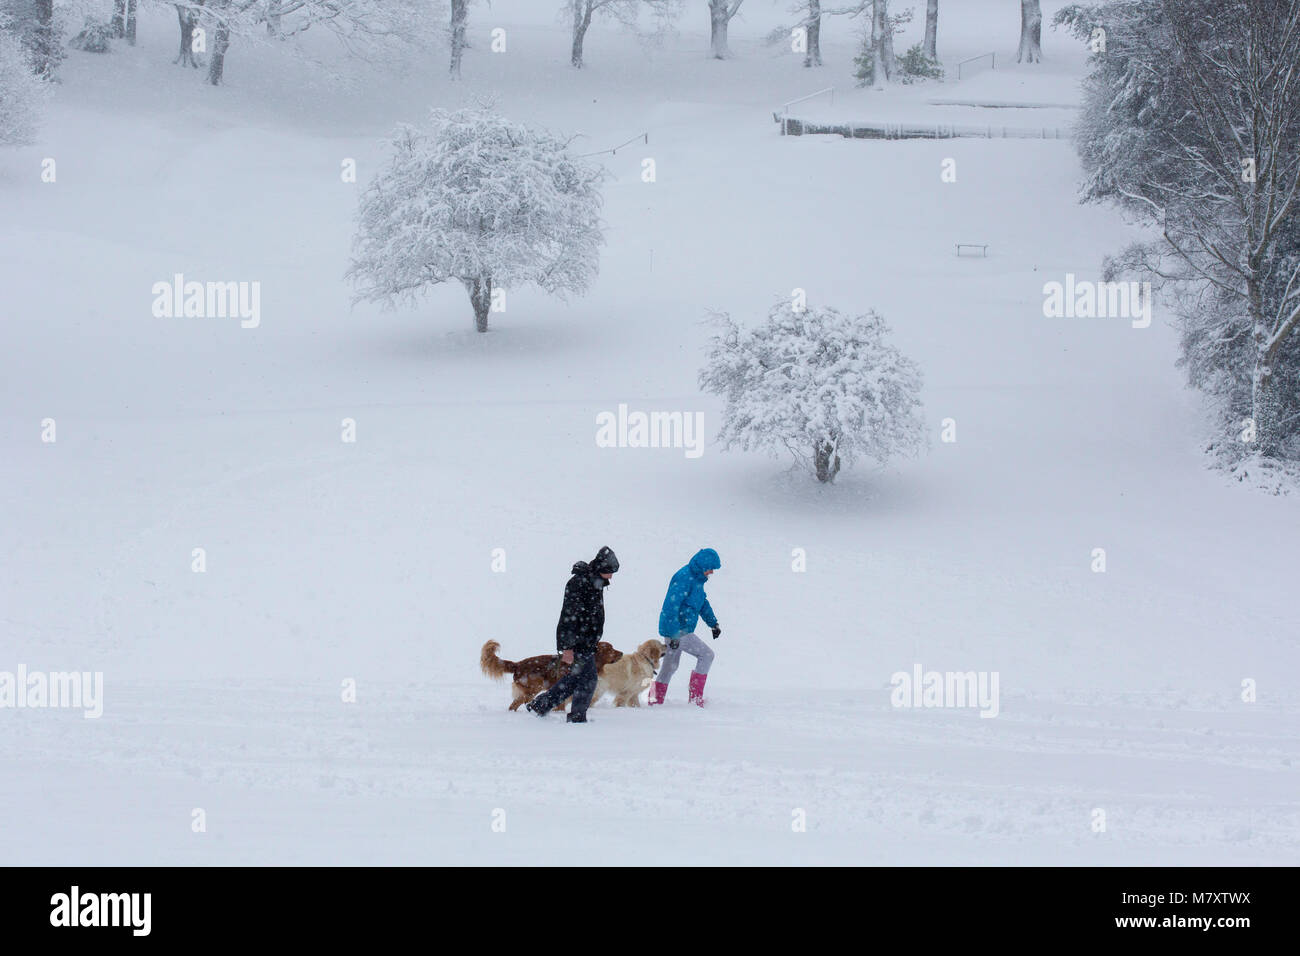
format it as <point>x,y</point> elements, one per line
<point>824,385</point>
<point>1031,32</point>
<point>627,12</point>
<point>877,64</point>
<point>362,27</point>
<point>22,92</point>
<point>482,201</point>
<point>123,23</point>
<point>1190,122</point>
<point>877,43</point>
<point>809,15</point>
<point>95,37</point>
<point>37,26</point>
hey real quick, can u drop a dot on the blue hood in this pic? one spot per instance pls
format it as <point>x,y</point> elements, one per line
<point>706,559</point>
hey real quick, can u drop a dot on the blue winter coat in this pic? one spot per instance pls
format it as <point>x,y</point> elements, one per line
<point>686,602</point>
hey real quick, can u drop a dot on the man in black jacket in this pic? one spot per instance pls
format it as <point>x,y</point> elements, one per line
<point>582,622</point>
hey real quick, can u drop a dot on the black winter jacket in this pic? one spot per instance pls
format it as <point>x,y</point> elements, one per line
<point>582,618</point>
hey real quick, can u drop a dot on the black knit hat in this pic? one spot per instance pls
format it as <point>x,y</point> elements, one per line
<point>604,562</point>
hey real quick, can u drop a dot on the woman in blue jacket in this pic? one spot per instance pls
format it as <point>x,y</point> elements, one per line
<point>684,605</point>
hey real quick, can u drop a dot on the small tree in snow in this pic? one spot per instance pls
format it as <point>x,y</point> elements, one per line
<point>22,92</point>
<point>482,201</point>
<point>824,385</point>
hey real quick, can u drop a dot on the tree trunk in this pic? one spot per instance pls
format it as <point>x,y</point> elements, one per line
<point>117,25</point>
<point>459,16</point>
<point>1031,32</point>
<point>719,18</point>
<point>826,462</point>
<point>581,21</point>
<point>813,55</point>
<point>220,43</point>
<point>882,44</point>
<point>187,20</point>
<point>1263,407</point>
<point>273,17</point>
<point>130,21</point>
<point>931,29</point>
<point>480,296</point>
<point>45,48</point>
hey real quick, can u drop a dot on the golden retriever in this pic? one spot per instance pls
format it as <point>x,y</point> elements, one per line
<point>533,675</point>
<point>626,677</point>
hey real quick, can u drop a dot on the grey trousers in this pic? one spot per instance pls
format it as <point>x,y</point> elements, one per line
<point>692,645</point>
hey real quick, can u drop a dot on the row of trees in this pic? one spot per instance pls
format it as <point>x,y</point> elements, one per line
<point>211,27</point>
<point>1191,125</point>
<point>808,20</point>
<point>884,24</point>
<point>365,26</point>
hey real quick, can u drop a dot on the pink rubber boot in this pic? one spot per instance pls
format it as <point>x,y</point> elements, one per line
<point>697,688</point>
<point>657,691</point>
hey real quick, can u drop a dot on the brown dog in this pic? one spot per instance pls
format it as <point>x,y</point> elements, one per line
<point>535,674</point>
<point>630,675</point>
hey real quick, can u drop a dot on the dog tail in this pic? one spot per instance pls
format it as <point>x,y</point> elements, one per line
<point>493,666</point>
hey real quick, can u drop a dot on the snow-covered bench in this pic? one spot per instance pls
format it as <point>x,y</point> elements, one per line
<point>982,247</point>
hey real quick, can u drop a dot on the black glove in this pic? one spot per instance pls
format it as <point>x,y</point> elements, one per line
<point>673,643</point>
<point>717,633</point>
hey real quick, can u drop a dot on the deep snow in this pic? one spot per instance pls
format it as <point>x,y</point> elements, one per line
<point>372,561</point>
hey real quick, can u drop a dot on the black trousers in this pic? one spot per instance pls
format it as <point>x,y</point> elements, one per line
<point>580,683</point>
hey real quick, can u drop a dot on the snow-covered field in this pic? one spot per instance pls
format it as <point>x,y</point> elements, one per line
<point>372,561</point>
